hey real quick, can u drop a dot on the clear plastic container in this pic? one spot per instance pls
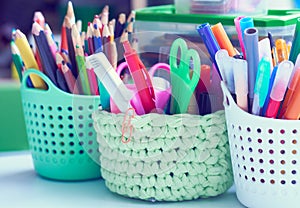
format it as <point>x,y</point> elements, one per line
<point>162,25</point>
<point>221,6</point>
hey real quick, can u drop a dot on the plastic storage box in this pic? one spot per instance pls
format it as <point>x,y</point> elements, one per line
<point>162,25</point>
<point>221,6</point>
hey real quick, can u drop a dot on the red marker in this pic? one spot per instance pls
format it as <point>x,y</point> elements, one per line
<point>141,78</point>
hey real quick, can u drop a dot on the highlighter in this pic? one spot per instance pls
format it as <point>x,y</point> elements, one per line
<point>222,38</point>
<point>141,78</point>
<point>279,87</point>
<point>261,85</point>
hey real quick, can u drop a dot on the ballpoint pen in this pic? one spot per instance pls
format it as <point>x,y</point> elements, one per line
<point>282,77</point>
<point>261,85</point>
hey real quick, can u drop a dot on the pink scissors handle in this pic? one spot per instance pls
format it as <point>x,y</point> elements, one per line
<point>121,67</point>
<point>157,66</point>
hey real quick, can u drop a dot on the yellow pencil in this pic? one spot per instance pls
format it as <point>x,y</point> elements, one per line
<point>28,59</point>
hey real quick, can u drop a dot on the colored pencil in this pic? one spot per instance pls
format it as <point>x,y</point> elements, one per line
<point>69,77</point>
<point>48,62</point>
<point>28,59</point>
<point>71,49</point>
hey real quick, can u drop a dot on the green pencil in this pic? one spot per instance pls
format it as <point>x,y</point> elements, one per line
<point>17,60</point>
<point>82,73</point>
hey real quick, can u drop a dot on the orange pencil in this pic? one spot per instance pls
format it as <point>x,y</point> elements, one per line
<point>282,50</point>
<point>222,38</point>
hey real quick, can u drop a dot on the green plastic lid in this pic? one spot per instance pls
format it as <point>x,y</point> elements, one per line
<point>167,13</point>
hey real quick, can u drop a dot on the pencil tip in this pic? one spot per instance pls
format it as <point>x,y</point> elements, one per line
<point>36,28</point>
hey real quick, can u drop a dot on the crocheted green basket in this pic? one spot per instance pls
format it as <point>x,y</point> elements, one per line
<point>164,157</point>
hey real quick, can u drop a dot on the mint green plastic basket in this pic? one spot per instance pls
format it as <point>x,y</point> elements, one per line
<point>60,131</point>
<point>164,157</point>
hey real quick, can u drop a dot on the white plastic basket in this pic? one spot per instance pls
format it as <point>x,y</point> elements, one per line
<point>265,157</point>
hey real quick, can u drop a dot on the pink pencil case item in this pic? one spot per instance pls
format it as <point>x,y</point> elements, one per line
<point>162,90</point>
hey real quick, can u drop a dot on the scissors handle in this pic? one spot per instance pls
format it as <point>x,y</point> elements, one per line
<point>183,85</point>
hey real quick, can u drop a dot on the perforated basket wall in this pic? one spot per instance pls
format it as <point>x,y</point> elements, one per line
<point>60,131</point>
<point>265,157</point>
<point>165,158</point>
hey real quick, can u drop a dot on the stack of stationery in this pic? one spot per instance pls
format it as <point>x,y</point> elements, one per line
<point>263,77</point>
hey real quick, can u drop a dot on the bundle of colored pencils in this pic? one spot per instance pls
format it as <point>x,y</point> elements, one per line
<point>65,65</point>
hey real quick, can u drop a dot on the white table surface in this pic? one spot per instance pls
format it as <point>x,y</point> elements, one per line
<point>21,187</point>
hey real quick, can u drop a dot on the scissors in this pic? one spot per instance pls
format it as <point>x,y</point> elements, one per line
<point>183,85</point>
<point>162,89</point>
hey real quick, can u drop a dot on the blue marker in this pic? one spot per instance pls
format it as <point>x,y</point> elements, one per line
<point>273,75</point>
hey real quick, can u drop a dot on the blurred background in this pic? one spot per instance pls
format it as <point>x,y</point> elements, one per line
<point>14,14</point>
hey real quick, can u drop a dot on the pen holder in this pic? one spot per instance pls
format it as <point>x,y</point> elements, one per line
<point>60,131</point>
<point>161,157</point>
<point>265,157</point>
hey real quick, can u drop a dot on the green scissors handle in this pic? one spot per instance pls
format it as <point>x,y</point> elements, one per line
<point>183,85</point>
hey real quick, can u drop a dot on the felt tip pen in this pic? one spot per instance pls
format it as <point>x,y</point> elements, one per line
<point>222,38</point>
<point>224,62</point>
<point>240,73</point>
<point>282,51</point>
<point>264,50</point>
<point>251,47</point>
<point>295,43</point>
<point>141,78</point>
<point>293,111</point>
<point>279,87</point>
<point>210,42</point>
<point>261,85</point>
<point>239,33</point>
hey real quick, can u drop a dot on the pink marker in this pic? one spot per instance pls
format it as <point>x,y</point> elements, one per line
<point>239,33</point>
<point>279,88</point>
<point>141,78</point>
